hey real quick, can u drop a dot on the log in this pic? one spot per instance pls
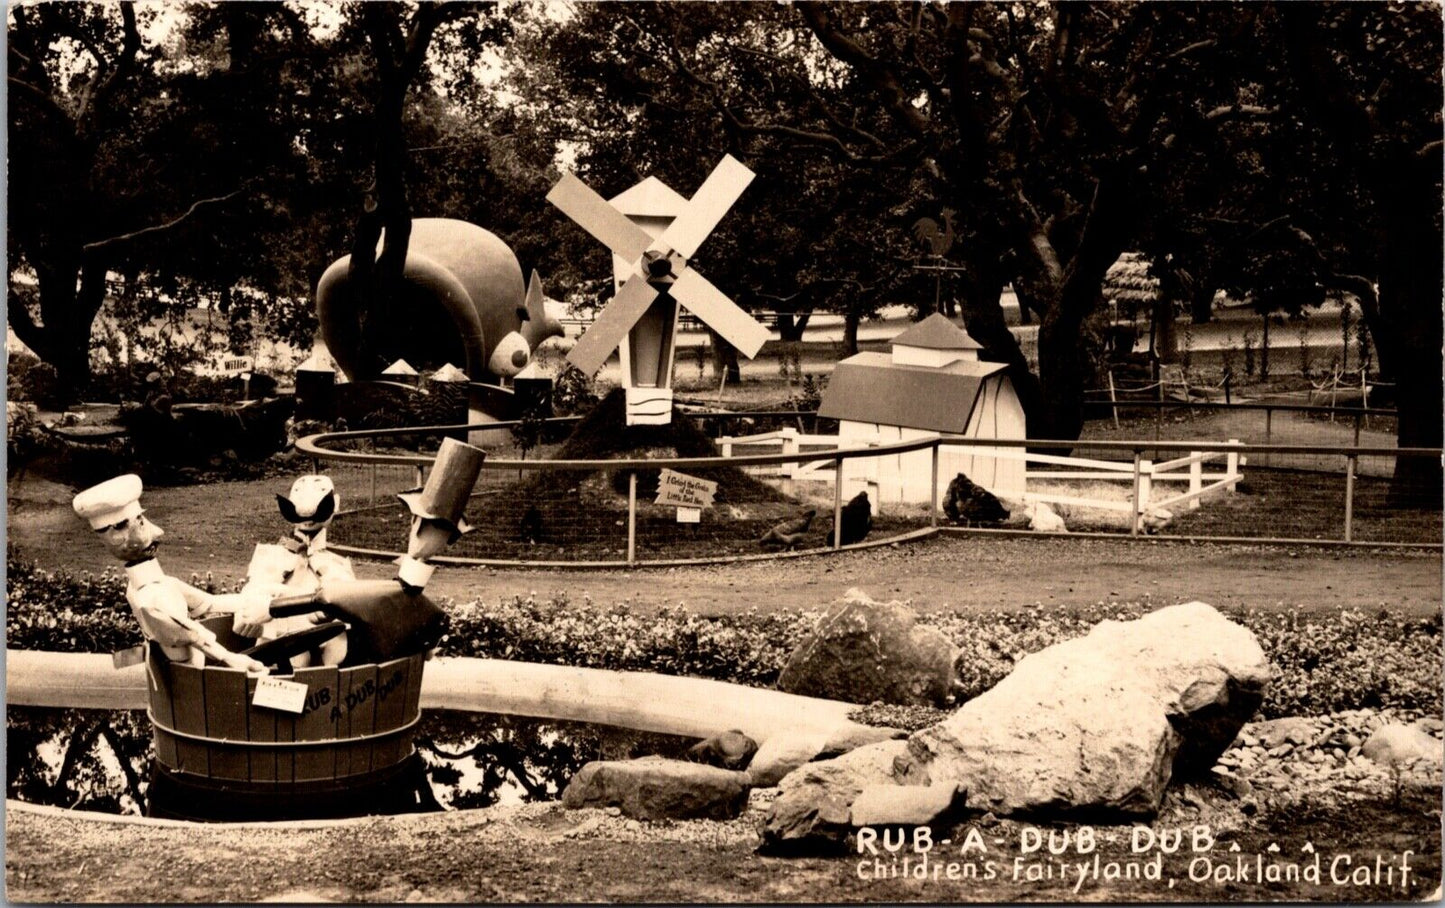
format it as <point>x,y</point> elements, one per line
<point>689,707</point>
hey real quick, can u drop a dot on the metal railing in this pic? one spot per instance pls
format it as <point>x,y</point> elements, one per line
<point>1350,506</point>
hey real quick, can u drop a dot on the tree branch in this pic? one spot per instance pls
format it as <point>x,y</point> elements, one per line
<point>1240,111</point>
<point>124,62</point>
<point>111,242</point>
<point>882,77</point>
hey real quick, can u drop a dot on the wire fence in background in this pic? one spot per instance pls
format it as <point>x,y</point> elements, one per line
<point>784,491</point>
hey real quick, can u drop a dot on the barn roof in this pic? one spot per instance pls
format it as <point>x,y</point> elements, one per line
<point>870,387</point>
<point>937,333</point>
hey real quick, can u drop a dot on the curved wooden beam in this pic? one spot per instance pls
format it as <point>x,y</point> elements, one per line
<point>689,707</point>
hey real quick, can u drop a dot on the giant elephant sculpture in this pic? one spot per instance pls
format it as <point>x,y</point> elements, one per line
<point>463,301</point>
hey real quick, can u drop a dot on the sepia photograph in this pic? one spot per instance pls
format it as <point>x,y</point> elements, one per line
<point>772,451</point>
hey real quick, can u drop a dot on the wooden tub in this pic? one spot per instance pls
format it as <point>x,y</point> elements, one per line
<point>348,753</point>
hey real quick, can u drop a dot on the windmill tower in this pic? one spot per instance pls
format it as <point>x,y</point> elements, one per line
<point>652,232</point>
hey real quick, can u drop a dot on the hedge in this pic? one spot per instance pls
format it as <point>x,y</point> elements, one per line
<point>1327,663</point>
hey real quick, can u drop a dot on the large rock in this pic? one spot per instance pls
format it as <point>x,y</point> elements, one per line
<point>938,806</point>
<point>811,812</point>
<point>782,753</point>
<point>653,788</point>
<point>864,650</point>
<point>728,750</point>
<point>1397,746</point>
<point>1100,724</point>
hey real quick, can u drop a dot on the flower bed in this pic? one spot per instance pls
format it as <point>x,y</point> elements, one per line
<point>1347,660</point>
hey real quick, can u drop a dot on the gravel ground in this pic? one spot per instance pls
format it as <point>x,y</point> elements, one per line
<point>541,852</point>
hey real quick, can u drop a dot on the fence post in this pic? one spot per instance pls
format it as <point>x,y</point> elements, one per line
<point>1357,429</point>
<point>1268,426</point>
<point>420,477</point>
<point>790,469</point>
<point>1196,477</point>
<point>837,503</point>
<point>1350,497</point>
<point>632,517</point>
<point>1134,518</point>
<point>373,484</point>
<point>933,495</point>
<point>1231,466</point>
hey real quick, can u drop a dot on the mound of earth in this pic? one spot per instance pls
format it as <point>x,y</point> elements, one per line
<point>586,509</point>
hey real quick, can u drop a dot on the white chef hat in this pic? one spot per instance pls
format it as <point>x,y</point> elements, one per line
<point>110,502</point>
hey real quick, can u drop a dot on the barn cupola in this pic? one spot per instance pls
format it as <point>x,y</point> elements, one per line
<point>934,342</point>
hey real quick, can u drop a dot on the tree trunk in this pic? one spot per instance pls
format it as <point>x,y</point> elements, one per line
<point>791,325</point>
<point>984,320</point>
<point>850,332</point>
<point>67,312</point>
<point>1410,294</point>
<point>725,357</point>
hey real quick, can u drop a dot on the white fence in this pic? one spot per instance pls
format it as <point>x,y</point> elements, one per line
<point>1143,474</point>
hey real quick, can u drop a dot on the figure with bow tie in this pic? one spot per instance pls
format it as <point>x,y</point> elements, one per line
<point>299,562</point>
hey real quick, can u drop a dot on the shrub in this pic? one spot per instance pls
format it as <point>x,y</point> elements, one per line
<point>1326,663</point>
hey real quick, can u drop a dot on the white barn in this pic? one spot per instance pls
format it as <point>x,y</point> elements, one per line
<point>931,382</point>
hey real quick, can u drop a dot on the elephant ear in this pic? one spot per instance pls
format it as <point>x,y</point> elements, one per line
<point>288,510</point>
<point>324,509</point>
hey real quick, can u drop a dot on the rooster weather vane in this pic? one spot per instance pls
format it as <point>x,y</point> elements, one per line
<point>651,242</point>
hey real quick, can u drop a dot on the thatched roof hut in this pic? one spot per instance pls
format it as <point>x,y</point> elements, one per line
<point>1129,281</point>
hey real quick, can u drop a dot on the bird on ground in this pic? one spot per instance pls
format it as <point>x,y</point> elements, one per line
<point>789,533</point>
<point>856,520</point>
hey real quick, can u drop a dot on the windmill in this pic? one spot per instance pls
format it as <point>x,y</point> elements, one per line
<point>652,232</point>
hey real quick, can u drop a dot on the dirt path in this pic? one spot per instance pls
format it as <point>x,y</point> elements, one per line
<point>213,528</point>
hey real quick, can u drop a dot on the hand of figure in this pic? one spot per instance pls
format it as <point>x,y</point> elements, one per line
<point>236,660</point>
<point>254,612</point>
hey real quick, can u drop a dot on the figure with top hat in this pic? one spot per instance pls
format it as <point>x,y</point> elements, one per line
<point>389,619</point>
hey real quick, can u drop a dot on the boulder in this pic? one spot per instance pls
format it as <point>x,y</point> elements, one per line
<point>729,750</point>
<point>971,504</point>
<point>938,806</point>
<point>653,788</point>
<point>1398,745</point>
<point>1101,724</point>
<point>783,753</point>
<point>811,812</point>
<point>863,651</point>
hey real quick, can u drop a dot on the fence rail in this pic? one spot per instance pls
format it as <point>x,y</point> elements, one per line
<point>600,513</point>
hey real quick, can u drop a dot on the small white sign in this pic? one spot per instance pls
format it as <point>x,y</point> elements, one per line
<point>273,693</point>
<point>689,515</point>
<point>683,491</point>
<point>237,364</point>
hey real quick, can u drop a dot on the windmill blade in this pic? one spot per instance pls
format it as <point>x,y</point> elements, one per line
<point>719,313</point>
<point>596,215</point>
<point>612,325</point>
<point>707,206</point>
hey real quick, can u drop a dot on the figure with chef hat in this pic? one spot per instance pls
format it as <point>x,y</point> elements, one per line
<point>165,607</point>
<point>298,563</point>
<point>389,619</point>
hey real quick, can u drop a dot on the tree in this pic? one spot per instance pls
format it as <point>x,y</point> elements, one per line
<point>634,89</point>
<point>136,159</point>
<point>1369,79</point>
<point>1040,126</point>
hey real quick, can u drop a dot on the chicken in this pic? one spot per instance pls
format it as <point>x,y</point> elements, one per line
<point>789,533</point>
<point>857,519</point>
